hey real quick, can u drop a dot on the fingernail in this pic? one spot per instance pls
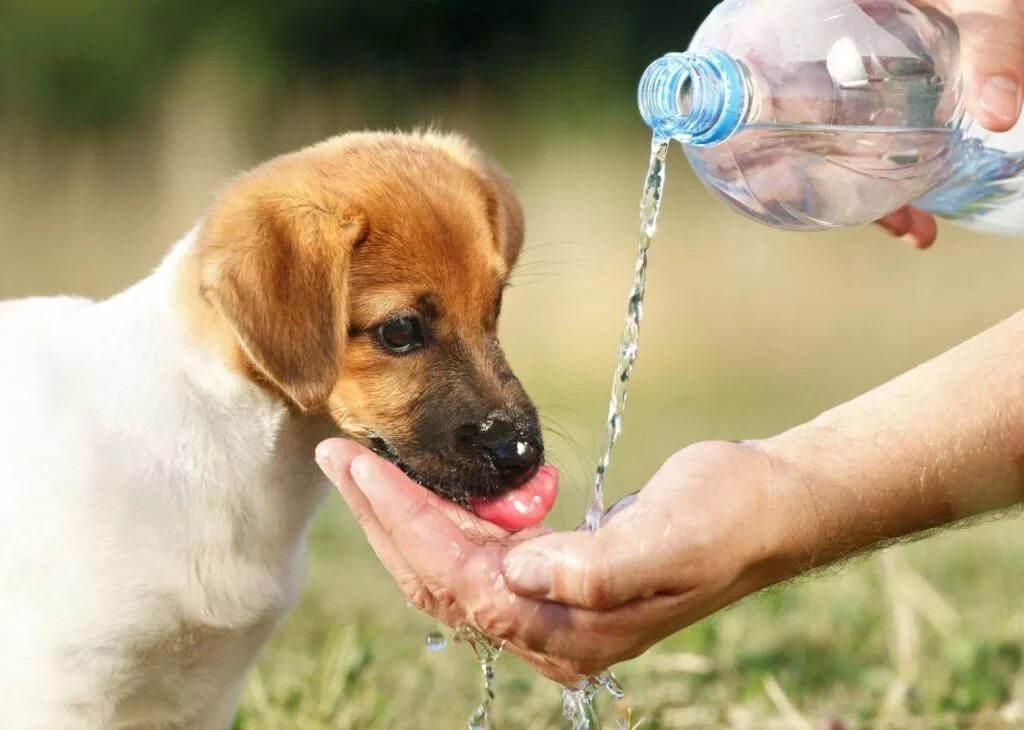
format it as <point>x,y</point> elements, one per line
<point>324,460</point>
<point>911,240</point>
<point>529,571</point>
<point>1000,97</point>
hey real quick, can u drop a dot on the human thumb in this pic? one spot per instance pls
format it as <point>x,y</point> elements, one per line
<point>992,59</point>
<point>590,570</point>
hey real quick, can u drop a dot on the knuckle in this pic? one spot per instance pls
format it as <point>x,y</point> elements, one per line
<point>445,600</point>
<point>988,40</point>
<point>492,621</point>
<point>416,594</point>
<point>681,459</point>
<point>365,520</point>
<point>706,452</point>
<point>596,584</point>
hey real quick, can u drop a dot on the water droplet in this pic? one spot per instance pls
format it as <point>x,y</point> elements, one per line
<point>436,641</point>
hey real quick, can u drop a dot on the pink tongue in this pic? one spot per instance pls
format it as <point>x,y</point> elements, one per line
<point>523,507</point>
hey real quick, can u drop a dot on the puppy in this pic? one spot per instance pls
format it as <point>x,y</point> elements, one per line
<point>157,480</point>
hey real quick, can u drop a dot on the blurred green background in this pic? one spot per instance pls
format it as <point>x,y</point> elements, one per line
<point>118,119</point>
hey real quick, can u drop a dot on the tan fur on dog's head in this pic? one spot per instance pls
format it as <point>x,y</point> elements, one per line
<point>309,269</point>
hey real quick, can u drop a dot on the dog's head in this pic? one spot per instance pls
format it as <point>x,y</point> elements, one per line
<point>363,278</point>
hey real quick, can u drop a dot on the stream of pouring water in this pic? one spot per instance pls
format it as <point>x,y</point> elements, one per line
<point>487,653</point>
<point>578,704</point>
<point>650,203</point>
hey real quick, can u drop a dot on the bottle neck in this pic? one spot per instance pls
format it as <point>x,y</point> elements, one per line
<point>698,97</point>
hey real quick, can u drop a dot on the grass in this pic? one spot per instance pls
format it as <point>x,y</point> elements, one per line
<point>747,332</point>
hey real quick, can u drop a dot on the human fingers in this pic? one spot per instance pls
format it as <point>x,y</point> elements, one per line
<point>335,458</point>
<point>912,225</point>
<point>992,59</point>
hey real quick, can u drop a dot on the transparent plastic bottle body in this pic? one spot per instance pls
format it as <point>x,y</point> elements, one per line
<point>812,114</point>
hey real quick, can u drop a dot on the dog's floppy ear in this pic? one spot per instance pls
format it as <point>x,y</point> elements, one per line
<point>275,267</point>
<point>503,210</point>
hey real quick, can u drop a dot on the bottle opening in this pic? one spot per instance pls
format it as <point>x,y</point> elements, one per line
<point>685,102</point>
<point>698,97</point>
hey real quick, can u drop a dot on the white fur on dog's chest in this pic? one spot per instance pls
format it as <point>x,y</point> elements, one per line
<point>155,506</point>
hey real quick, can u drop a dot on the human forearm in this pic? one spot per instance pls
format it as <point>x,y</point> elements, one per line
<point>940,443</point>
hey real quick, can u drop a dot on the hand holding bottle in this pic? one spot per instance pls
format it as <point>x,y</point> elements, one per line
<point>817,114</point>
<point>992,59</point>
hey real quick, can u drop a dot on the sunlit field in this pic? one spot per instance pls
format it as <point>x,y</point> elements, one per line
<point>748,331</point>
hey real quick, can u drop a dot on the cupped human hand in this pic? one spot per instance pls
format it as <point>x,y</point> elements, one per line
<point>992,60</point>
<point>697,537</point>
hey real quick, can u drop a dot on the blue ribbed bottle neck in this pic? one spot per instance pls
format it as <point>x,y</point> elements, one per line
<point>698,97</point>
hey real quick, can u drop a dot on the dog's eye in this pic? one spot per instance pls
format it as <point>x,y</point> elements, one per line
<point>401,334</point>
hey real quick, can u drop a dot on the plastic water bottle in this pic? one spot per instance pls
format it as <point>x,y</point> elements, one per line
<point>813,114</point>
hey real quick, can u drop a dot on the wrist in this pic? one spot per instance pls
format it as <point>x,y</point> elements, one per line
<point>828,502</point>
<point>791,528</point>
<point>836,491</point>
<point>832,495</point>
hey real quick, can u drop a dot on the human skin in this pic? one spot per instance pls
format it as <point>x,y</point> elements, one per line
<point>719,521</point>
<point>992,60</point>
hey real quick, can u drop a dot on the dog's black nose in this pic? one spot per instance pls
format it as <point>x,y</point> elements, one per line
<point>514,460</point>
<point>515,456</point>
